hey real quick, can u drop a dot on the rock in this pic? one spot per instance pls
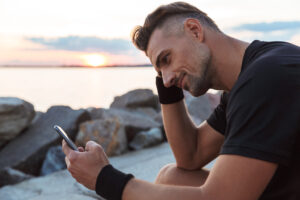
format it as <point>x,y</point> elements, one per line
<point>136,98</point>
<point>214,99</point>
<point>38,114</point>
<point>146,139</point>
<point>108,132</point>
<point>11,176</point>
<point>150,112</point>
<point>55,161</point>
<point>27,151</point>
<point>15,115</point>
<point>132,121</point>
<point>199,108</point>
<point>59,185</point>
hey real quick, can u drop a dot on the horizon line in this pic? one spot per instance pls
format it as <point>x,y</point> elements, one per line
<point>74,66</point>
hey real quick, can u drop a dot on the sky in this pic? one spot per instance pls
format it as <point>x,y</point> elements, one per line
<point>97,32</point>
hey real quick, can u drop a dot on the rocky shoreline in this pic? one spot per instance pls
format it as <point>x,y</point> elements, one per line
<point>29,146</point>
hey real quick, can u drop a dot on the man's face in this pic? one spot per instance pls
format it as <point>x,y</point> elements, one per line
<point>181,60</point>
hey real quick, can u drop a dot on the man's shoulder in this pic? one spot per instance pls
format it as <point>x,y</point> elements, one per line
<point>274,65</point>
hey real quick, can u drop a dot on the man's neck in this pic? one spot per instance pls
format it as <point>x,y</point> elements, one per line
<point>227,58</point>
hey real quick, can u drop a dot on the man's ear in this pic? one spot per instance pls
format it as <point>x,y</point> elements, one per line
<point>193,27</point>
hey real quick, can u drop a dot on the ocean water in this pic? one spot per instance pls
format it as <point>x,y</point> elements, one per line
<point>75,87</point>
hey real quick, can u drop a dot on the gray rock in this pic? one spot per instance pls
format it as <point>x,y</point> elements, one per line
<point>109,132</point>
<point>55,161</point>
<point>214,99</point>
<point>132,121</point>
<point>199,108</point>
<point>59,185</point>
<point>146,139</point>
<point>136,98</point>
<point>147,111</point>
<point>15,115</point>
<point>38,114</point>
<point>11,176</point>
<point>27,151</point>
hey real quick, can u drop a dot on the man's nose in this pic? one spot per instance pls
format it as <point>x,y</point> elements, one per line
<point>168,78</point>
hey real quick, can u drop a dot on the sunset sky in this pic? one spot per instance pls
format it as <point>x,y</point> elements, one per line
<point>97,32</point>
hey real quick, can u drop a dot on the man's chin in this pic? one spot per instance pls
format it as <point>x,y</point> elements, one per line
<point>197,93</point>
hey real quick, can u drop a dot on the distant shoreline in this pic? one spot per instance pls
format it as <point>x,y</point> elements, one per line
<point>71,66</point>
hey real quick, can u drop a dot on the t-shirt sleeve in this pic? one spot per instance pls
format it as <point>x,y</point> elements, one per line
<point>263,115</point>
<point>217,120</point>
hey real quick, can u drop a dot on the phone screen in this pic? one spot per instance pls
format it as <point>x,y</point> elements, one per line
<point>64,135</point>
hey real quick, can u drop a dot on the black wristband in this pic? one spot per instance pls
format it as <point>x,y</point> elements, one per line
<point>169,95</point>
<point>111,183</point>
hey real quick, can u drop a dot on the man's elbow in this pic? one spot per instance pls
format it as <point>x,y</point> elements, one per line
<point>188,165</point>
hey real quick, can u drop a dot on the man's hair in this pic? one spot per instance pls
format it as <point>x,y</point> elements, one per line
<point>141,34</point>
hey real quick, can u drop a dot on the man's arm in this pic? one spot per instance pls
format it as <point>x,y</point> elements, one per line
<point>232,178</point>
<point>193,147</point>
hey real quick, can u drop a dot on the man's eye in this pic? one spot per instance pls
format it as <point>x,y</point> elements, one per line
<point>164,60</point>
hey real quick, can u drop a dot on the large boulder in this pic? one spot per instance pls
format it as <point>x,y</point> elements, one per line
<point>11,176</point>
<point>108,132</point>
<point>146,139</point>
<point>27,151</point>
<point>15,115</point>
<point>54,161</point>
<point>199,108</point>
<point>135,99</point>
<point>133,122</point>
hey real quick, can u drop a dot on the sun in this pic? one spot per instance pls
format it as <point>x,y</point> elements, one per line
<point>94,60</point>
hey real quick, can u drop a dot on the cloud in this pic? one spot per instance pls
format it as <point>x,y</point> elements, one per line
<point>268,27</point>
<point>296,39</point>
<point>86,44</point>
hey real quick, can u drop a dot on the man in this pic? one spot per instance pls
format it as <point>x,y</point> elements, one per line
<point>254,132</point>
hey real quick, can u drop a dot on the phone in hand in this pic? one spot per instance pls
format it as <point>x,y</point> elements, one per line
<point>64,135</point>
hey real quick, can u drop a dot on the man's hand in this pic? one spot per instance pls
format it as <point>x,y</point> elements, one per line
<point>86,164</point>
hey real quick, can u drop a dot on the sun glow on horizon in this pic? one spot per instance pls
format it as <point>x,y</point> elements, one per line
<point>94,60</point>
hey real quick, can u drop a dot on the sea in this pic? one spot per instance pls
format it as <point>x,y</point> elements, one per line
<point>77,87</point>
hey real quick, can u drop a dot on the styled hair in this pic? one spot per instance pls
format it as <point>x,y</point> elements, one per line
<point>141,34</point>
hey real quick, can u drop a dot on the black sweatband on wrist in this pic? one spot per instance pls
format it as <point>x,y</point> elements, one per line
<point>111,183</point>
<point>169,95</point>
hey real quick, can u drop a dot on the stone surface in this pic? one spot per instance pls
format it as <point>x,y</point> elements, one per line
<point>146,139</point>
<point>27,151</point>
<point>214,99</point>
<point>9,176</point>
<point>136,98</point>
<point>54,161</point>
<point>199,108</point>
<point>59,185</point>
<point>108,132</point>
<point>143,164</point>
<point>15,115</point>
<point>133,122</point>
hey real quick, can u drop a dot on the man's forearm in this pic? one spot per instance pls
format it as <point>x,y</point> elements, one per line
<point>142,190</point>
<point>180,131</point>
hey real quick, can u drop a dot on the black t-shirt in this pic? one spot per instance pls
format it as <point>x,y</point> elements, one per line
<point>260,116</point>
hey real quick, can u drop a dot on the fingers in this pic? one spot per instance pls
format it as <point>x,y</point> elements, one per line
<point>90,145</point>
<point>80,149</point>
<point>70,154</point>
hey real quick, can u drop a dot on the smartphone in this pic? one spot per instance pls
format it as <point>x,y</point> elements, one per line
<point>64,135</point>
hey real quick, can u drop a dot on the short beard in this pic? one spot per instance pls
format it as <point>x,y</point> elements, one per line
<point>200,83</point>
